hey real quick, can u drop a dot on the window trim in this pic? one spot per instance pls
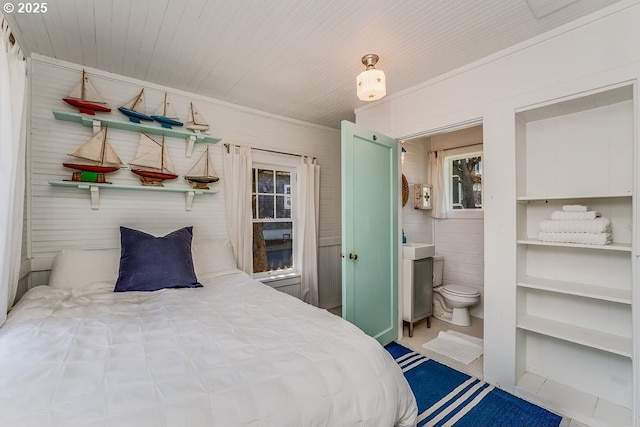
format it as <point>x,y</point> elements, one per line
<point>450,156</point>
<point>271,161</point>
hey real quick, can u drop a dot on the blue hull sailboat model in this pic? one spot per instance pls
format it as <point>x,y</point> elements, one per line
<point>136,109</point>
<point>166,115</point>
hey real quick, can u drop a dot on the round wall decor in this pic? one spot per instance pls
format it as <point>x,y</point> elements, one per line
<point>405,190</point>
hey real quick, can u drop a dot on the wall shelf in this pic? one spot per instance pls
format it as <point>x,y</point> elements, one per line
<point>571,198</point>
<point>94,190</point>
<point>624,247</point>
<point>97,121</point>
<point>604,293</point>
<point>576,334</point>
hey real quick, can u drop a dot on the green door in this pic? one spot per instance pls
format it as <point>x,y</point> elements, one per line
<point>370,231</point>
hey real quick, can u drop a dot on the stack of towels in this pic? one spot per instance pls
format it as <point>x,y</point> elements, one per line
<point>576,224</point>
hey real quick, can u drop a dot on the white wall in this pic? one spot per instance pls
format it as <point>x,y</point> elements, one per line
<point>416,223</point>
<point>594,52</point>
<point>60,218</point>
<point>461,242</point>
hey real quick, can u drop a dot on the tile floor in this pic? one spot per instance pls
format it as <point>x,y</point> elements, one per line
<point>422,334</point>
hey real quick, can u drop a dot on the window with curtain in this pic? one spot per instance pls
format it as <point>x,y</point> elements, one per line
<point>274,224</point>
<point>464,176</point>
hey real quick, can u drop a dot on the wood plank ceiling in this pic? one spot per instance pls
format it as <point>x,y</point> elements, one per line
<point>296,58</point>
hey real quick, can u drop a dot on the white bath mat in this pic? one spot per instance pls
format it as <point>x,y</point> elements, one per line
<point>456,345</point>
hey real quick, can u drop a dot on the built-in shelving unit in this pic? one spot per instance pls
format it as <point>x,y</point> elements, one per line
<point>574,329</point>
<point>97,121</point>
<point>94,190</point>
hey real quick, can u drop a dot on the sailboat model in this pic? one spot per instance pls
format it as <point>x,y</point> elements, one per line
<point>86,98</point>
<point>166,115</point>
<point>195,122</point>
<point>136,109</point>
<point>152,162</point>
<point>97,157</point>
<point>202,173</point>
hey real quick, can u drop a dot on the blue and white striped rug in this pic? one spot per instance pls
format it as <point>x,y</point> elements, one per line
<point>447,397</point>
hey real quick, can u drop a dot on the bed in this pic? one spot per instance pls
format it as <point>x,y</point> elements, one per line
<point>224,351</point>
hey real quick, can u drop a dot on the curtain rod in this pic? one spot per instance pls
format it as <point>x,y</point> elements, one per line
<point>274,151</point>
<point>458,146</point>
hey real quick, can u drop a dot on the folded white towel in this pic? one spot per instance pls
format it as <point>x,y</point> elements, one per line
<point>561,215</point>
<point>596,225</point>
<point>575,208</point>
<point>585,238</point>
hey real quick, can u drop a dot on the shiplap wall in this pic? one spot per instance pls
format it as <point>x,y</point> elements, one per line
<point>416,223</point>
<point>60,218</point>
<point>461,242</point>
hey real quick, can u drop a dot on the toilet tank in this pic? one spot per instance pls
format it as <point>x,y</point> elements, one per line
<point>438,262</point>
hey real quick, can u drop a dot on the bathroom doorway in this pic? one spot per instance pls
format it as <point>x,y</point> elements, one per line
<point>455,224</point>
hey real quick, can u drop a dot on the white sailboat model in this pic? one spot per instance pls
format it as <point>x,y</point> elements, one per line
<point>166,114</point>
<point>136,109</point>
<point>202,173</point>
<point>96,156</point>
<point>152,162</point>
<point>195,121</point>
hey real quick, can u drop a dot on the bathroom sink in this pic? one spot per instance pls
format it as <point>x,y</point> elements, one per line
<point>418,250</point>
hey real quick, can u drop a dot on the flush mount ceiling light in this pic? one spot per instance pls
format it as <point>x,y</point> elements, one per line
<point>371,84</point>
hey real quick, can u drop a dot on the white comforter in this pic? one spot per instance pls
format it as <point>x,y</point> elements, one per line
<point>233,353</point>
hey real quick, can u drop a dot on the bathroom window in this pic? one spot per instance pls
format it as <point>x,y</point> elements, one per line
<point>464,181</point>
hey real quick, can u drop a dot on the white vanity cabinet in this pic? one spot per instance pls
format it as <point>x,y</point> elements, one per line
<point>417,291</point>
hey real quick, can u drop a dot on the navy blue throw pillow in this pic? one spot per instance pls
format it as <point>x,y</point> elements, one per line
<point>149,263</point>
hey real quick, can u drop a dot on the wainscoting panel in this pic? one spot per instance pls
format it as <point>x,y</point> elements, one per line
<point>329,275</point>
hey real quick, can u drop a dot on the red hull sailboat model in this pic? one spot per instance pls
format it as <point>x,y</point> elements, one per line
<point>86,98</point>
<point>95,158</point>
<point>152,162</point>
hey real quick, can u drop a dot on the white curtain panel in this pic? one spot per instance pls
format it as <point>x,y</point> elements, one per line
<point>12,166</point>
<point>237,197</point>
<point>309,193</point>
<point>437,181</point>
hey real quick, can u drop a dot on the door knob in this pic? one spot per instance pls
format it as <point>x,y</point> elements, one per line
<point>353,256</point>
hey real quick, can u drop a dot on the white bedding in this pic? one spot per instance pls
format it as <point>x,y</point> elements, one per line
<point>233,353</point>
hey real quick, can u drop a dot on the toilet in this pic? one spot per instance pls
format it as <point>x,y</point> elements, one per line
<point>451,302</point>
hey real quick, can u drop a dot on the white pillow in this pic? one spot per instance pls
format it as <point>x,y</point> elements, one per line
<point>78,268</point>
<point>212,258</point>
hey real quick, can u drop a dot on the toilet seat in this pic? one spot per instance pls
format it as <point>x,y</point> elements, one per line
<point>460,290</point>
